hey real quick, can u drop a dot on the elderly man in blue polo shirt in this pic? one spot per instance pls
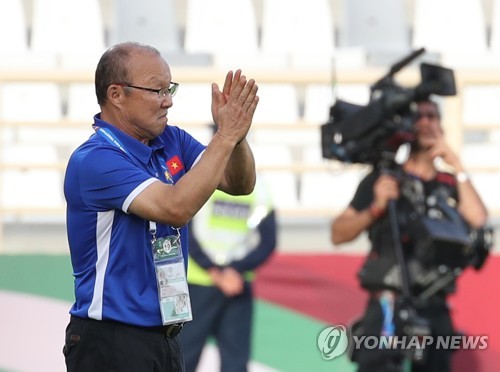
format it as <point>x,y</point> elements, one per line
<point>131,189</point>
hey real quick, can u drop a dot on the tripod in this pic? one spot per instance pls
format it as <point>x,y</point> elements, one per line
<point>407,322</point>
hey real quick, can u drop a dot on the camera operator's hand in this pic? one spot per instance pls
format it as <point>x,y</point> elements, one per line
<point>386,188</point>
<point>470,206</point>
<point>441,149</point>
<point>351,222</point>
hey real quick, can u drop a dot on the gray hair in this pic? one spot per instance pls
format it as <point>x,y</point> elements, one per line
<point>113,66</point>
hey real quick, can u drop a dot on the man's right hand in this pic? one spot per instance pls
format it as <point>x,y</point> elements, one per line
<point>385,188</point>
<point>234,107</point>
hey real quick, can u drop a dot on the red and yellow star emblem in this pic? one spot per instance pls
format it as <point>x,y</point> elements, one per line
<point>174,165</point>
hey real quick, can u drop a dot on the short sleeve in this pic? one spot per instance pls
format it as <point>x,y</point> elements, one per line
<point>364,193</point>
<point>107,177</point>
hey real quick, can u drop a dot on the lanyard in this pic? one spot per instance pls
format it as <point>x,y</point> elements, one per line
<point>114,141</point>
<point>152,231</point>
<point>110,138</point>
<point>159,163</point>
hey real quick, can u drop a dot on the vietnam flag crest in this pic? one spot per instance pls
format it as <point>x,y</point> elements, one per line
<point>174,165</point>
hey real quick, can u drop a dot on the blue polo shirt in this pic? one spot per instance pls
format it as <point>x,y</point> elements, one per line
<point>111,249</point>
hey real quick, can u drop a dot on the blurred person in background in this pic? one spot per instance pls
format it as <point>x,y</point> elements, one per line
<point>131,190</point>
<point>229,238</point>
<point>368,211</point>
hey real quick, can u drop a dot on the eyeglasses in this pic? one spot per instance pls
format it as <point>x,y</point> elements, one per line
<point>162,92</point>
<point>427,115</point>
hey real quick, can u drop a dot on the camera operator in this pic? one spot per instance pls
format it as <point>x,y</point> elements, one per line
<point>368,211</point>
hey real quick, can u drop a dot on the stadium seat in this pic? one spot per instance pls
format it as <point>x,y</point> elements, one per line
<point>81,108</point>
<point>72,27</point>
<point>14,49</point>
<point>219,27</point>
<point>327,188</point>
<point>449,26</point>
<point>38,106</point>
<point>82,102</point>
<point>302,34</point>
<point>152,22</point>
<point>283,183</point>
<point>472,54</point>
<point>366,24</point>
<point>35,102</point>
<point>318,99</point>
<point>44,103</point>
<point>278,106</point>
<point>480,105</point>
<point>37,186</point>
<point>13,28</point>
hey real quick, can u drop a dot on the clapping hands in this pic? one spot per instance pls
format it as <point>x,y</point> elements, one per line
<point>234,107</point>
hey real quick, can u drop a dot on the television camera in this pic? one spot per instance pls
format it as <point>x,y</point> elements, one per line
<point>372,133</point>
<point>375,134</point>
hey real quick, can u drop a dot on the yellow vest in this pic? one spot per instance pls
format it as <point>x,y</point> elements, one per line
<point>226,230</point>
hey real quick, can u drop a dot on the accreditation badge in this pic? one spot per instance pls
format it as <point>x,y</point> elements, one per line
<point>173,292</point>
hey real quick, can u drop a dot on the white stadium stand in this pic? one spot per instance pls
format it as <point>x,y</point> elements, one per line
<point>303,59</point>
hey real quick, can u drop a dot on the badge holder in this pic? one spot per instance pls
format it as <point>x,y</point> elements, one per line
<point>173,291</point>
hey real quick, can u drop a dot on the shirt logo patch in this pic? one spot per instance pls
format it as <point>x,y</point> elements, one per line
<point>169,177</point>
<point>174,165</point>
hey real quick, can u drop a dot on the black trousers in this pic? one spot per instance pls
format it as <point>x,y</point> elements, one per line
<point>95,346</point>
<point>436,312</point>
